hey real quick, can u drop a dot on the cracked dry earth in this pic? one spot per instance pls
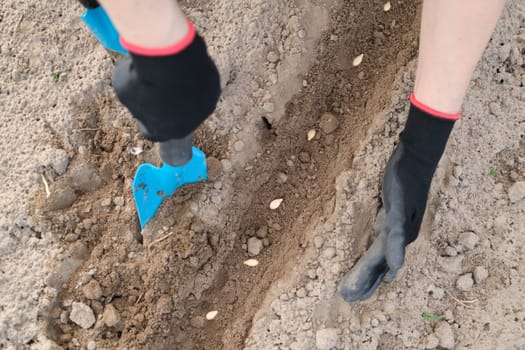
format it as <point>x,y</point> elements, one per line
<point>77,273</point>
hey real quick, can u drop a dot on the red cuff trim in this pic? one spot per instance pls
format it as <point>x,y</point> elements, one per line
<point>162,51</point>
<point>432,111</point>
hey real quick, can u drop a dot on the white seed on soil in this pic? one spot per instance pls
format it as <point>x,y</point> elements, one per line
<point>387,6</point>
<point>251,262</point>
<point>211,315</point>
<point>136,150</point>
<point>357,61</point>
<point>276,203</point>
<point>311,134</point>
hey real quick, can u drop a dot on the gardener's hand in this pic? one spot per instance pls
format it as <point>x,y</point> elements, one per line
<point>170,91</point>
<point>406,184</point>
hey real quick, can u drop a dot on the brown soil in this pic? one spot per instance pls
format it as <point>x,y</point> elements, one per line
<point>160,288</point>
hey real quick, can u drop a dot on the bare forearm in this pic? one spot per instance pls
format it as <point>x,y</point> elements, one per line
<point>453,37</point>
<point>148,23</point>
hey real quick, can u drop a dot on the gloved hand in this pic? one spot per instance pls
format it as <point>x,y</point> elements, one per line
<point>406,183</point>
<point>170,91</point>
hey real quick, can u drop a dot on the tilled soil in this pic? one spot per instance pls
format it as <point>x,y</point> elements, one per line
<point>286,69</point>
<point>184,267</point>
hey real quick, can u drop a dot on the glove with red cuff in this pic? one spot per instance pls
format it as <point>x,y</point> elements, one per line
<point>406,184</point>
<point>170,91</point>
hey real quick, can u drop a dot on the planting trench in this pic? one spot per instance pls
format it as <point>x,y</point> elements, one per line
<point>190,259</point>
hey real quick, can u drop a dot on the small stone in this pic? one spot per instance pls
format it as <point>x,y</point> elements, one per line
<point>361,75</point>
<point>64,317</point>
<point>468,240</point>
<point>304,157</point>
<point>451,264</point>
<point>318,242</point>
<point>389,307</point>
<point>272,57</point>
<point>326,339</point>
<point>480,274</point>
<point>92,290</point>
<point>329,253</point>
<point>301,293</point>
<point>82,315</point>
<point>328,123</point>
<point>451,251</point>
<point>110,317</point>
<point>62,198</point>
<point>282,178</point>
<point>517,191</point>
<point>238,146</point>
<point>465,282</point>
<point>255,246</point>
<point>449,315</point>
<point>106,202</point>
<point>374,322</point>
<point>262,232</point>
<point>58,160</point>
<point>197,322</point>
<point>91,345</point>
<point>444,333</point>
<point>269,107</point>
<point>215,168</point>
<point>431,341</point>
<point>119,201</point>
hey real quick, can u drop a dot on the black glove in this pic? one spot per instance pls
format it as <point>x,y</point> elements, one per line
<point>169,95</point>
<point>406,183</point>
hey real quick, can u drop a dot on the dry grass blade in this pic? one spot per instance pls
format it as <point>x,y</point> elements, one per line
<point>46,186</point>
<point>158,240</point>
<point>465,303</point>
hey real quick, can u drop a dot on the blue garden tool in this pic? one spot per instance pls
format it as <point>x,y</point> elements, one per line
<point>151,184</point>
<point>101,26</point>
<point>182,163</point>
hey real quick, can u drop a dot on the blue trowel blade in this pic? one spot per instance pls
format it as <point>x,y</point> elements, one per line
<point>101,26</point>
<point>151,184</point>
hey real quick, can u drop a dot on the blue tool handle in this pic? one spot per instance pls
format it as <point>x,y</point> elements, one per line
<point>98,21</point>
